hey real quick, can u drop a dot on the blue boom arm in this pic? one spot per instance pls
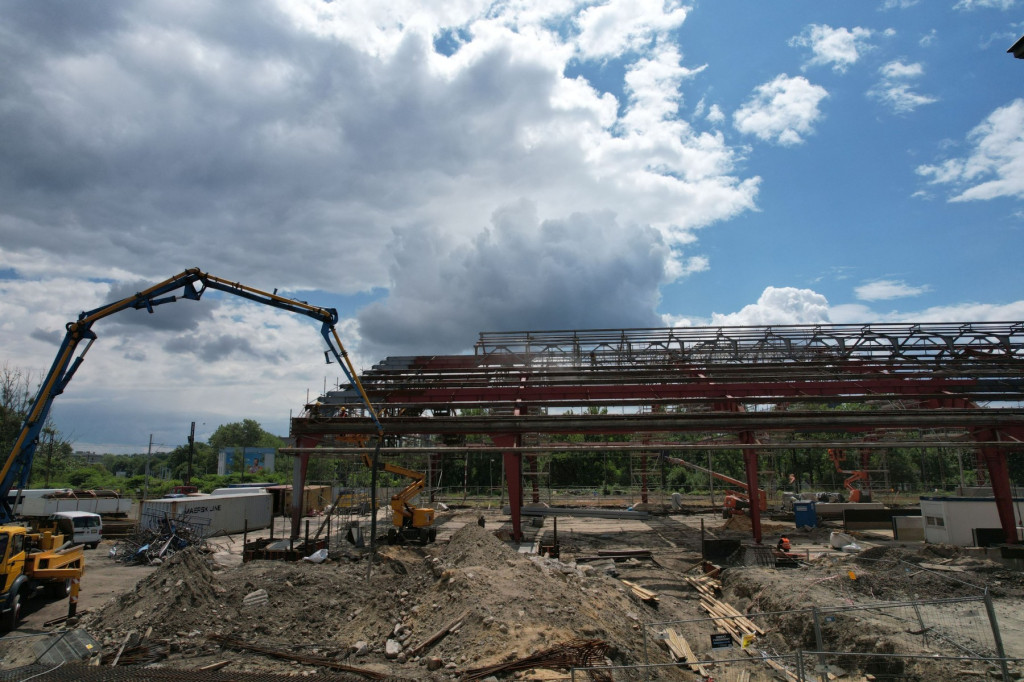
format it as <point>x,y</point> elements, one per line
<point>193,283</point>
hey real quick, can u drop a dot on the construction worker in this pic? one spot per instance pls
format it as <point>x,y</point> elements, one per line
<point>784,545</point>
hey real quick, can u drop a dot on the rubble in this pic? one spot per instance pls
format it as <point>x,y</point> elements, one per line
<point>154,545</point>
<point>474,605</point>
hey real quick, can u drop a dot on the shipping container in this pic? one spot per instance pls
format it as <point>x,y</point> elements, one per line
<point>45,503</point>
<point>212,514</point>
<point>314,499</point>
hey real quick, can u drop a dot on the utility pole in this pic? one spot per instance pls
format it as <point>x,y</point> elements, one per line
<point>191,449</point>
<point>149,457</point>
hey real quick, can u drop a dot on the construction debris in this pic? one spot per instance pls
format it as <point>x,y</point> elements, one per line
<point>153,545</point>
<point>576,654</point>
<point>473,603</point>
<point>319,661</point>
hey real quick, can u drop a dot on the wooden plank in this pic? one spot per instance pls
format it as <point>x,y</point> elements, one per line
<point>682,652</point>
<point>940,567</point>
<point>429,641</point>
<point>642,593</point>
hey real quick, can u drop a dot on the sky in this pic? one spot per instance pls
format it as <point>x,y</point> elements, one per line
<point>436,170</point>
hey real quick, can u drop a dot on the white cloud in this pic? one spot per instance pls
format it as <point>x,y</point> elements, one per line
<point>291,139</point>
<point>783,110</point>
<point>886,289</point>
<point>716,115</point>
<point>995,166</point>
<point>789,305</point>
<point>899,4</point>
<point>894,89</point>
<point>620,26</point>
<point>960,312</point>
<point>779,305</point>
<point>968,5</point>
<point>838,47</point>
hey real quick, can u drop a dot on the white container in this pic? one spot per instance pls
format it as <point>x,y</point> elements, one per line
<point>216,514</point>
<point>36,505</point>
<point>236,491</point>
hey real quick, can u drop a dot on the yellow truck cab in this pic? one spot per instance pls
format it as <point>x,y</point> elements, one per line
<point>32,562</point>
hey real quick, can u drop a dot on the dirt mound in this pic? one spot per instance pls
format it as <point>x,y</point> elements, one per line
<point>184,586</point>
<point>472,545</point>
<point>510,605</point>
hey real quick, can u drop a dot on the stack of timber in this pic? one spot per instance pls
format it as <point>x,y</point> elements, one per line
<point>682,652</point>
<point>731,620</point>
<point>642,593</point>
<point>705,585</point>
<point>738,625</point>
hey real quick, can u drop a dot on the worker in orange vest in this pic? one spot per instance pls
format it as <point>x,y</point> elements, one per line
<point>784,545</point>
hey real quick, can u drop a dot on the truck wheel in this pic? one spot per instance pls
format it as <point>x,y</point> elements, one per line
<point>11,618</point>
<point>59,590</point>
<point>94,545</point>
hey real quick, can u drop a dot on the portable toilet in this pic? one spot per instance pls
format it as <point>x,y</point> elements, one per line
<point>804,514</point>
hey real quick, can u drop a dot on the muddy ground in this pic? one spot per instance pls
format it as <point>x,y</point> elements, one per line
<point>508,603</point>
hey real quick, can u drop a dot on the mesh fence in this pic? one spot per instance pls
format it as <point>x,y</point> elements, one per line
<point>947,632</point>
<point>812,666</point>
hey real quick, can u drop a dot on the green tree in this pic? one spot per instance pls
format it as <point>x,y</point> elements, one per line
<point>53,459</point>
<point>204,460</point>
<point>15,399</point>
<point>244,434</point>
<point>247,433</point>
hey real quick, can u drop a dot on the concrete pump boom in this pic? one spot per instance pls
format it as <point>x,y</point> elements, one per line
<point>193,283</point>
<point>762,496</point>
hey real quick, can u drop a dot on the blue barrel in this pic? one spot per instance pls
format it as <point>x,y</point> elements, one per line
<point>805,514</point>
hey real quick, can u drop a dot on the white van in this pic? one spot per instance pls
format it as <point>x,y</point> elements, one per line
<point>83,528</point>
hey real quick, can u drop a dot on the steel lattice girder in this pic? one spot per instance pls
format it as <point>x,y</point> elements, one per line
<point>914,377</point>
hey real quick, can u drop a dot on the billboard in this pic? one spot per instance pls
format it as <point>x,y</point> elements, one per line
<point>245,460</point>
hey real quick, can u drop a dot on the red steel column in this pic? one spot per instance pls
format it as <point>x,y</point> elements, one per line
<point>514,479</point>
<point>999,474</point>
<point>995,462</point>
<point>750,462</point>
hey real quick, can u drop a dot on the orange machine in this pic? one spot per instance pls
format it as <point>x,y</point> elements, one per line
<point>855,494</point>
<point>409,523</point>
<point>736,501</point>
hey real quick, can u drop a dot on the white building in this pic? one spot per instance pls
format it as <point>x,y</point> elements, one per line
<point>957,520</point>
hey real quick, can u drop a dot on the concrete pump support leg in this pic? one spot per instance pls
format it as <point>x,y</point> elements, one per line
<point>298,486</point>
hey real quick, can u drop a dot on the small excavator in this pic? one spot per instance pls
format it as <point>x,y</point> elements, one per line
<point>408,523</point>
